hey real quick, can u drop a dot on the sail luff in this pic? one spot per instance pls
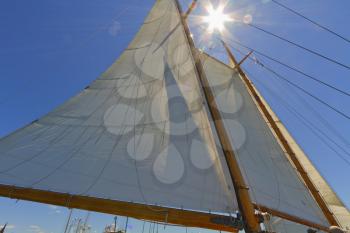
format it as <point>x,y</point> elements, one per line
<point>281,138</point>
<point>242,193</point>
<point>135,210</point>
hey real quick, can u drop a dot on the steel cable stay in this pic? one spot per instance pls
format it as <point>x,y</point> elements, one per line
<point>299,46</point>
<point>281,77</point>
<point>289,67</point>
<point>344,92</point>
<point>312,127</point>
<point>303,120</point>
<point>308,106</point>
<point>311,21</point>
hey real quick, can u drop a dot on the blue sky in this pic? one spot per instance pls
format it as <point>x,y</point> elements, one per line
<point>50,50</point>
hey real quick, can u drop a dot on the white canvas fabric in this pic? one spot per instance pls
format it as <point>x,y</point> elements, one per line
<point>273,181</point>
<point>334,203</point>
<point>336,206</point>
<point>139,133</point>
<point>280,225</point>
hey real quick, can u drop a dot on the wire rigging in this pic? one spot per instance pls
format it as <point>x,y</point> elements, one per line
<point>311,21</point>
<point>302,89</point>
<point>319,116</point>
<point>298,87</point>
<point>312,124</point>
<point>312,127</point>
<point>299,46</point>
<point>290,67</point>
<point>285,65</point>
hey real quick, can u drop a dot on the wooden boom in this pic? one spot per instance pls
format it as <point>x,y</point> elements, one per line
<point>291,218</point>
<point>135,210</point>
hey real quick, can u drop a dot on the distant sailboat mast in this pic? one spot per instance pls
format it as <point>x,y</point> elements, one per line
<point>68,220</point>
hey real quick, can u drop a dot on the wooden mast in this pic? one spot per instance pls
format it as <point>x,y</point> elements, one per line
<point>242,191</point>
<point>136,210</point>
<point>263,208</point>
<point>314,191</point>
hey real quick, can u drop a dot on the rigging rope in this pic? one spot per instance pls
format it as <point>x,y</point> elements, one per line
<point>285,65</point>
<point>311,21</point>
<point>143,226</point>
<point>291,83</point>
<point>289,67</point>
<point>256,61</point>
<point>299,46</point>
<point>303,90</point>
<point>307,123</point>
<point>313,111</point>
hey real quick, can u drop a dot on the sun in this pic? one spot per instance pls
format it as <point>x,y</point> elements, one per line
<point>216,18</point>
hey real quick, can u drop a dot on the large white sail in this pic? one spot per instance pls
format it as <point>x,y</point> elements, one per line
<point>142,133</point>
<point>335,205</point>
<point>273,181</point>
<point>139,133</point>
<point>276,224</point>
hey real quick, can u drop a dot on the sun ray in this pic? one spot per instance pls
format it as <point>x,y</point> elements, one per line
<point>216,18</point>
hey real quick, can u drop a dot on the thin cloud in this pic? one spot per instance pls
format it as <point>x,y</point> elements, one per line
<point>36,229</point>
<point>55,209</point>
<point>8,226</point>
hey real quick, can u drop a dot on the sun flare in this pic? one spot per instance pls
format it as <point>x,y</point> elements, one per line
<point>216,18</point>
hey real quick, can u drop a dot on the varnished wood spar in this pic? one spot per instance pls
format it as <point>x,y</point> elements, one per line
<point>271,211</point>
<point>245,204</point>
<point>291,218</point>
<point>315,193</point>
<point>134,210</point>
<point>190,9</point>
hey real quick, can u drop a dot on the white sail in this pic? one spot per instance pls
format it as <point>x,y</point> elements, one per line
<point>276,224</point>
<point>273,181</point>
<point>139,133</point>
<point>335,205</point>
